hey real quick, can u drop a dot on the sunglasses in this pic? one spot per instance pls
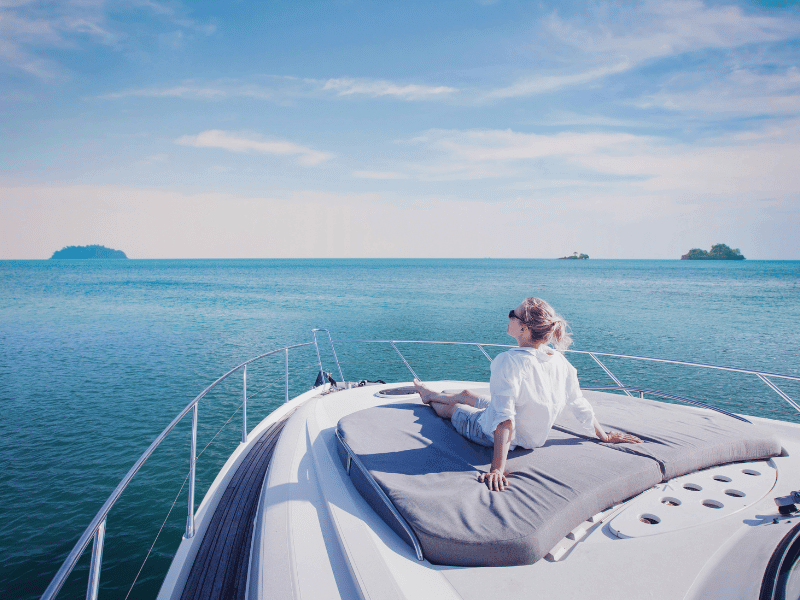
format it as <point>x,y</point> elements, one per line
<point>513,315</point>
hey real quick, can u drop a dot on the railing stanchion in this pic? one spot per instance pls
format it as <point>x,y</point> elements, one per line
<point>641,395</point>
<point>97,559</point>
<point>404,360</point>
<point>610,374</point>
<point>244,405</point>
<point>286,371</point>
<point>779,391</point>
<point>486,354</point>
<point>192,461</point>
<point>335,358</point>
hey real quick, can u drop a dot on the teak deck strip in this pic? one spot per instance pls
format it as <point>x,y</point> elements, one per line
<point>220,567</point>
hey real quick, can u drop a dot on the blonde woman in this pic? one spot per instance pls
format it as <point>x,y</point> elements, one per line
<point>529,387</point>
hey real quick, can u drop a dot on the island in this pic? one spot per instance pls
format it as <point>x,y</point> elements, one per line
<point>717,252</point>
<point>93,251</point>
<point>575,256</point>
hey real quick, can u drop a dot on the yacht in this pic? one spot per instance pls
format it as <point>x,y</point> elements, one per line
<point>355,489</point>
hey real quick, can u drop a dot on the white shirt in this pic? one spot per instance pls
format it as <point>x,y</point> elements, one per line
<point>531,387</point>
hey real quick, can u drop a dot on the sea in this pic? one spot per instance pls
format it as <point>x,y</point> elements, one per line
<point>98,356</point>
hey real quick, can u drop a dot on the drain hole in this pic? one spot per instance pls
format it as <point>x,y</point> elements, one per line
<point>649,519</point>
<point>670,501</point>
<point>712,504</point>
<point>735,493</point>
<point>750,472</point>
<point>722,478</point>
<point>692,487</point>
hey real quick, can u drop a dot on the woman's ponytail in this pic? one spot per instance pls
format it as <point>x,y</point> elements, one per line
<point>545,324</point>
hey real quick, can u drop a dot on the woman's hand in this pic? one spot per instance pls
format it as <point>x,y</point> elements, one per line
<point>615,437</point>
<point>494,480</point>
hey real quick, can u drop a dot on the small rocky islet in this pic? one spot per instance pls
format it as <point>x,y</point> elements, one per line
<point>93,251</point>
<point>717,252</point>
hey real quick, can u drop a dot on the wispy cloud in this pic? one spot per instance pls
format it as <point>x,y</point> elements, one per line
<point>658,29</point>
<point>29,28</point>
<point>540,84</point>
<point>379,175</point>
<point>188,89</point>
<point>378,88</point>
<point>481,146</point>
<point>741,92</point>
<point>615,39</point>
<point>282,88</point>
<point>759,164</point>
<point>215,138</point>
<point>25,29</point>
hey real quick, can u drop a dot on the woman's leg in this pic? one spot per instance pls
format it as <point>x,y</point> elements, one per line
<point>429,396</point>
<point>445,411</point>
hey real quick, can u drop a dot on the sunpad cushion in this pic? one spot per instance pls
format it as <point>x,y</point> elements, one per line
<point>430,473</point>
<point>681,441</point>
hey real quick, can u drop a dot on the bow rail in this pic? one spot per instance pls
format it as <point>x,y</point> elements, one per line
<point>95,532</point>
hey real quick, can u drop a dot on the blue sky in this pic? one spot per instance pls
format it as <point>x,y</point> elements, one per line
<point>399,129</point>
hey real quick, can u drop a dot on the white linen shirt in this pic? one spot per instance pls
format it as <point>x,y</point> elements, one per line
<point>531,387</point>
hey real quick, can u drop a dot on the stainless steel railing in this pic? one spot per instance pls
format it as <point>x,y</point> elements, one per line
<point>95,532</point>
<point>764,376</point>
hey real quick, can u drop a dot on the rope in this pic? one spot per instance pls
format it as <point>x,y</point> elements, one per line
<point>135,579</point>
<point>160,529</point>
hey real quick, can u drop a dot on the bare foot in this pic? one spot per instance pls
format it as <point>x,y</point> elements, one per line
<point>424,392</point>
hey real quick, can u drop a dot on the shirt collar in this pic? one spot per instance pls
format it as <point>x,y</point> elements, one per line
<point>542,352</point>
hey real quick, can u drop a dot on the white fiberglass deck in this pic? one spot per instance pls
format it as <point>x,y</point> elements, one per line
<point>316,537</point>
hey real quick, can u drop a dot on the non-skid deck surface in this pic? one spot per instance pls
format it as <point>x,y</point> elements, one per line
<point>220,568</point>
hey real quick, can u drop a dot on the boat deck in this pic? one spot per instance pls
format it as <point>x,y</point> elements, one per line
<point>220,569</point>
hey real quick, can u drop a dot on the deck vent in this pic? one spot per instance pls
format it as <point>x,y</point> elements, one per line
<point>722,478</point>
<point>735,493</point>
<point>670,501</point>
<point>406,390</point>
<point>692,487</point>
<point>712,504</point>
<point>751,472</point>
<point>649,519</point>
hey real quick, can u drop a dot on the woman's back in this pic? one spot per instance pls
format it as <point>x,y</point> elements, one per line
<point>532,386</point>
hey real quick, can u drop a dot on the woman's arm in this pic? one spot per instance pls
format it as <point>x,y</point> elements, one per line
<point>613,437</point>
<point>495,479</point>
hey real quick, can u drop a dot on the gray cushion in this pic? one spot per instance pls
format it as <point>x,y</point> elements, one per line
<point>430,473</point>
<point>681,441</point>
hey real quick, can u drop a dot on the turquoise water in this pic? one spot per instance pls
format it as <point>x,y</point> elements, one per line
<point>96,357</point>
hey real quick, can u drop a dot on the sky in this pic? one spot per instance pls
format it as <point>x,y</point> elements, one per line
<point>453,129</point>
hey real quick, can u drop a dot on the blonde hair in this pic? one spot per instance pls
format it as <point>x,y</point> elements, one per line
<point>545,324</point>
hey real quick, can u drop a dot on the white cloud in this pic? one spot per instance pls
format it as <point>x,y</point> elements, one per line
<point>188,90</point>
<point>658,29</point>
<point>379,175</point>
<point>29,27</point>
<point>215,138</point>
<point>24,30</point>
<point>495,154</point>
<point>540,84</point>
<point>748,167</point>
<point>741,92</point>
<point>617,38</point>
<point>279,89</point>
<point>508,145</point>
<point>379,88</point>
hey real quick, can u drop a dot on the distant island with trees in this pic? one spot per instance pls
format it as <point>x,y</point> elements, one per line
<point>93,251</point>
<point>575,256</point>
<point>717,252</point>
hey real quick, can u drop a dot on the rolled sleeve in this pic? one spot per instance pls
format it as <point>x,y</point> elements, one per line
<point>578,405</point>
<point>504,386</point>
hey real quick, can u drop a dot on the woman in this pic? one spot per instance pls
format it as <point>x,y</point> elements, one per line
<point>530,386</point>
